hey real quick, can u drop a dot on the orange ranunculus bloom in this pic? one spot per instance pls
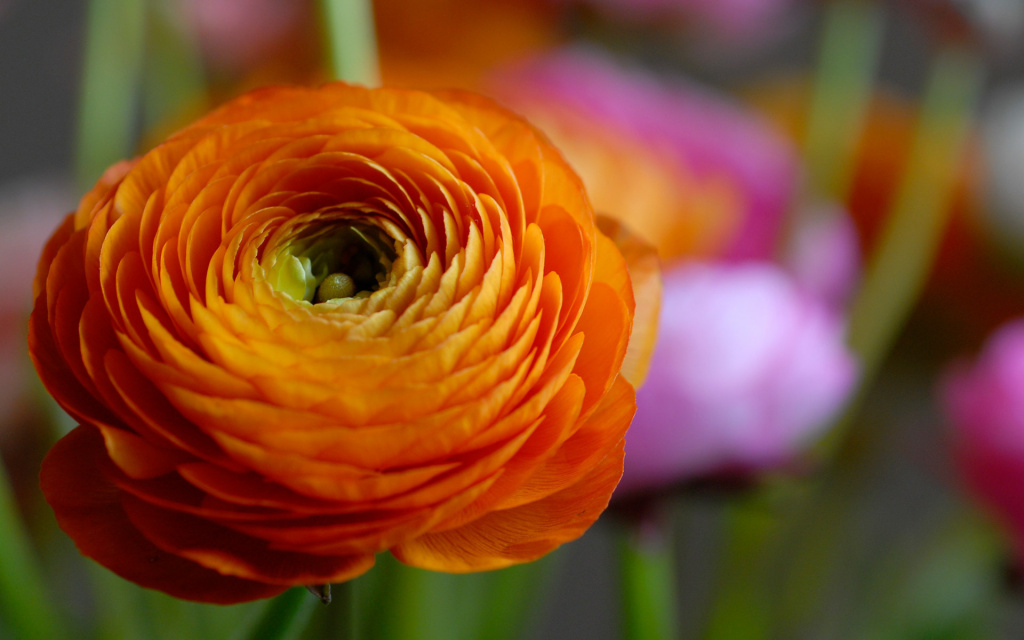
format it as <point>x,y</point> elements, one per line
<point>322,323</point>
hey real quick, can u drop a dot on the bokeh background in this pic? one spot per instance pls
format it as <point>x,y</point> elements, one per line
<point>884,543</point>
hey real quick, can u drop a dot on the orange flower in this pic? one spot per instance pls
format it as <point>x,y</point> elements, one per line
<point>454,43</point>
<point>322,323</point>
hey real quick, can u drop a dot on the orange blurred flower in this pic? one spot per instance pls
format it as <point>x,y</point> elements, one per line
<point>322,323</point>
<point>688,170</point>
<point>454,43</point>
<point>666,204</point>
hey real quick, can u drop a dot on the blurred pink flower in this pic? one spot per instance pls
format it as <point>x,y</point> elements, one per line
<point>237,34</point>
<point>712,138</point>
<point>747,370</point>
<point>824,255</point>
<point>29,212</point>
<point>985,404</point>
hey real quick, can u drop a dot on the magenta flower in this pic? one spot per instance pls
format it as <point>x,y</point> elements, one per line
<point>714,139</point>
<point>985,404</point>
<point>747,370</point>
<point>237,34</point>
<point>824,255</point>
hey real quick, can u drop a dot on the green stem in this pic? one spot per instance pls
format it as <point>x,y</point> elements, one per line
<point>352,40</point>
<point>906,251</point>
<point>420,604</point>
<point>121,610</point>
<point>111,77</point>
<point>850,47</point>
<point>174,83</point>
<point>648,583</point>
<point>337,620</point>
<point>25,601</point>
<point>286,615</point>
<point>511,595</point>
<point>821,532</point>
<point>741,605</point>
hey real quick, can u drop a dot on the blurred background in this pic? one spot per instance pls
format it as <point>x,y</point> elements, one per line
<point>879,494</point>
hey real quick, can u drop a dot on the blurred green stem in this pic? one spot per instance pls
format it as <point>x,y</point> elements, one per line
<point>287,615</point>
<point>903,258</point>
<point>336,620</point>
<point>121,609</point>
<point>741,603</point>
<point>512,594</point>
<point>25,602</point>
<point>851,42</point>
<point>352,40</point>
<point>647,582</point>
<point>174,82</point>
<point>111,77</point>
<point>416,604</point>
<point>821,533</point>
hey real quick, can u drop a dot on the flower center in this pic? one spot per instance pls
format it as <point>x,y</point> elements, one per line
<point>333,263</point>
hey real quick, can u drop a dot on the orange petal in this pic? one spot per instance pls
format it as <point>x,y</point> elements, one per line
<point>88,508</point>
<point>233,554</point>
<point>588,444</point>
<point>644,273</point>
<point>522,534</point>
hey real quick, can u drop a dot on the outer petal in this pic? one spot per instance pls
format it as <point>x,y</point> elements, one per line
<point>644,277</point>
<point>88,508</point>
<point>528,531</point>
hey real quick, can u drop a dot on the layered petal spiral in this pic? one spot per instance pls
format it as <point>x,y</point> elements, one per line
<point>318,324</point>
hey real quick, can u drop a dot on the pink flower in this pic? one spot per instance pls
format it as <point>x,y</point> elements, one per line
<point>236,34</point>
<point>715,141</point>
<point>32,209</point>
<point>985,404</point>
<point>824,255</point>
<point>747,370</point>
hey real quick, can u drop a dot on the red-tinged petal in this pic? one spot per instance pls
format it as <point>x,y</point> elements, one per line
<point>60,237</point>
<point>66,388</point>
<point>138,458</point>
<point>88,508</point>
<point>233,554</point>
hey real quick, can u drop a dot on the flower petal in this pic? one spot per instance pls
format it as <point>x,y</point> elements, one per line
<point>88,508</point>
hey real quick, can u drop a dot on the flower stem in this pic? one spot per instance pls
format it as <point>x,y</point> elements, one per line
<point>822,529</point>
<point>903,258</point>
<point>648,583</point>
<point>174,82</point>
<point>121,609</point>
<point>511,595</point>
<point>850,46</point>
<point>286,615</point>
<point>26,611</point>
<point>351,40</point>
<point>741,607</point>
<point>111,78</point>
